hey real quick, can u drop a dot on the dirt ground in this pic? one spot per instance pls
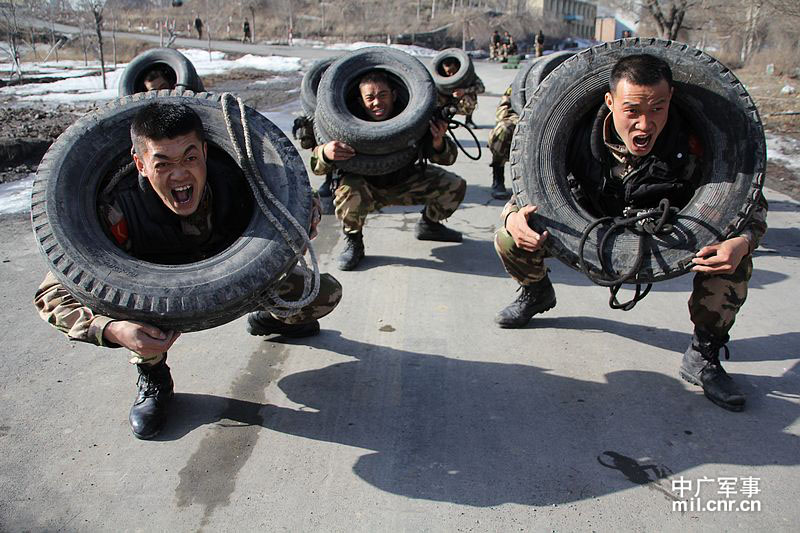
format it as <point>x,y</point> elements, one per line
<point>25,132</point>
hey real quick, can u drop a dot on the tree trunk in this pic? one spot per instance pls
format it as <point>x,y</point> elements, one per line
<point>97,11</point>
<point>253,24</point>
<point>751,27</point>
<point>433,9</point>
<point>114,37</point>
<point>33,45</point>
<point>83,42</point>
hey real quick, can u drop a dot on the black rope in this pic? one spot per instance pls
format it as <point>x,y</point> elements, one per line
<point>645,224</point>
<point>453,125</point>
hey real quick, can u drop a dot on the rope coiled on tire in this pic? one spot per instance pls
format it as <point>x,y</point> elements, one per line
<point>263,196</point>
<point>645,223</point>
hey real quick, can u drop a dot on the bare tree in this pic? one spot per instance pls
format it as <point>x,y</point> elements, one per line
<point>9,13</point>
<point>97,13</point>
<point>668,15</point>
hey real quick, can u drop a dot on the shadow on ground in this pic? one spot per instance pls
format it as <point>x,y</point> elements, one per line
<point>483,434</point>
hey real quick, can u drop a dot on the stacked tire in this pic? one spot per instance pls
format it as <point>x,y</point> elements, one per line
<point>310,85</point>
<point>132,79</point>
<point>531,75</point>
<point>719,112</point>
<point>381,147</point>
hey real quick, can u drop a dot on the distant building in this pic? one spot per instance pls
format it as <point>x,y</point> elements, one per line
<point>578,15</point>
<point>610,29</point>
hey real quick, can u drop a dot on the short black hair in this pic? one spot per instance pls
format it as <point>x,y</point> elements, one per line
<point>375,76</point>
<point>162,120</point>
<point>641,69</point>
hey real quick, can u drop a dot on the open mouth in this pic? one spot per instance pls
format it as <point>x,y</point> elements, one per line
<point>641,141</point>
<point>183,194</point>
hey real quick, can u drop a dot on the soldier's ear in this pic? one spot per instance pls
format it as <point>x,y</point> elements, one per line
<point>139,163</point>
<point>609,100</point>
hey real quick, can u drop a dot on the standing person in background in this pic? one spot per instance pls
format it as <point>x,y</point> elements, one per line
<point>494,45</point>
<point>246,31</point>
<point>509,46</point>
<point>538,43</point>
<point>198,25</point>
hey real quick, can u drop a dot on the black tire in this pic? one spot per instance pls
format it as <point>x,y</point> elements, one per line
<point>338,90</point>
<point>518,85</point>
<point>368,164</point>
<point>462,78</point>
<point>719,110</point>
<point>185,297</point>
<point>544,66</point>
<point>310,84</point>
<point>132,79</point>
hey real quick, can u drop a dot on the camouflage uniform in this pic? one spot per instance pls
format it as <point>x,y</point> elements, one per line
<point>466,104</point>
<point>356,196</point>
<point>62,310</point>
<point>501,135</point>
<point>715,299</point>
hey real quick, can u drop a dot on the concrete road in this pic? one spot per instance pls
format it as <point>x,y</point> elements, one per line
<point>411,411</point>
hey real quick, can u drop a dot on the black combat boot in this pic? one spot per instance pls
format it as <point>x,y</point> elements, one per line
<point>499,191</point>
<point>532,300</point>
<point>353,251</point>
<point>428,230</point>
<point>149,410</point>
<point>469,123</point>
<point>262,323</point>
<point>701,366</point>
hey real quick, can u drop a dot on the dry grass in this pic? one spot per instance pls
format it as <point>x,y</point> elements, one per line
<point>766,91</point>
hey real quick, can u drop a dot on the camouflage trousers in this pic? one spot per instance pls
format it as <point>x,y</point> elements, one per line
<point>500,140</point>
<point>467,104</point>
<point>713,305</point>
<point>355,197</point>
<point>290,288</point>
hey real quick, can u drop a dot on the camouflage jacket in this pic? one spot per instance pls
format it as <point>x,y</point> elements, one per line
<point>470,91</point>
<point>504,111</point>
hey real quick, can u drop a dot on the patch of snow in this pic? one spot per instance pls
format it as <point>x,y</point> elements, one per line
<point>407,48</point>
<point>15,197</point>
<point>80,87</point>
<point>784,150</point>
<point>308,42</point>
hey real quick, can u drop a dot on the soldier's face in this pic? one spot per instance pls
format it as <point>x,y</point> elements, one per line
<point>377,99</point>
<point>176,169</point>
<point>640,113</point>
<point>450,68</point>
<point>156,84</point>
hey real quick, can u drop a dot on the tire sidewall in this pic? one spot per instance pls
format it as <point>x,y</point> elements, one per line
<point>461,79</point>
<point>185,73</point>
<point>184,297</point>
<point>721,112</point>
<point>375,138</point>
